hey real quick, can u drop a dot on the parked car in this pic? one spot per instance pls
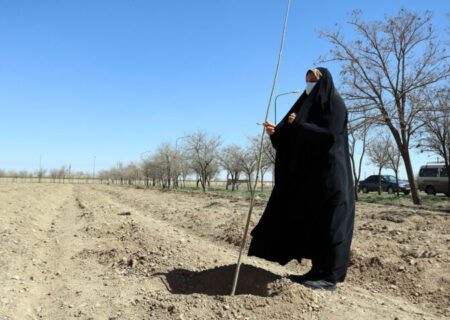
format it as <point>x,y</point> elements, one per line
<point>433,178</point>
<point>388,184</point>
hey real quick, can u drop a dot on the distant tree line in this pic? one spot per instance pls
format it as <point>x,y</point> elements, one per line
<point>54,175</point>
<point>199,156</point>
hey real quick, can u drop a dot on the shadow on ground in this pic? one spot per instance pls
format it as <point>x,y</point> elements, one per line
<point>218,281</point>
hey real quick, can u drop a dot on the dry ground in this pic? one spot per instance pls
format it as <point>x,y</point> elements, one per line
<point>105,252</point>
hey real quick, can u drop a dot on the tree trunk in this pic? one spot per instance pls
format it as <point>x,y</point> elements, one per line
<point>203,185</point>
<point>379,180</point>
<point>228,177</point>
<point>262,181</point>
<point>410,174</point>
<point>203,181</point>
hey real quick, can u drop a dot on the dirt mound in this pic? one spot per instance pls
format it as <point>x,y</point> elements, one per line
<point>232,232</point>
<point>104,257</point>
<point>96,232</point>
<point>396,217</point>
<point>406,278</point>
<point>129,231</point>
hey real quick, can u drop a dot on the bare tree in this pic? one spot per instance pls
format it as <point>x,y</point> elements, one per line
<point>146,171</point>
<point>166,156</point>
<point>230,160</point>
<point>23,174</point>
<point>68,171</point>
<point>378,153</point>
<point>212,172</point>
<point>131,173</point>
<point>62,173</point>
<point>117,172</point>
<point>266,165</point>
<point>269,150</point>
<point>270,154</point>
<point>180,167</point>
<point>104,175</point>
<point>390,61</point>
<point>249,161</point>
<point>267,157</point>
<point>202,151</point>
<point>183,168</point>
<point>40,173</point>
<point>13,174</point>
<point>358,131</point>
<point>54,173</point>
<point>147,167</point>
<point>435,135</point>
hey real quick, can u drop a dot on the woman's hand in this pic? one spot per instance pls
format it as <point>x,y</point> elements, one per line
<point>291,118</point>
<point>270,128</point>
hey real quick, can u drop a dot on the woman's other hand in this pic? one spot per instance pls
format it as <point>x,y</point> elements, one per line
<point>291,118</point>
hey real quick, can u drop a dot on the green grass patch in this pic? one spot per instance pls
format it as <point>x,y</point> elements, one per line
<point>429,202</point>
<point>435,203</point>
<point>228,193</point>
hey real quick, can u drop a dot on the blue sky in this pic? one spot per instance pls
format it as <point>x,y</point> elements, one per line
<point>113,79</point>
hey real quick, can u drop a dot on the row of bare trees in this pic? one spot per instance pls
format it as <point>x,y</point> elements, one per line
<point>200,156</point>
<point>56,174</point>
<point>238,161</point>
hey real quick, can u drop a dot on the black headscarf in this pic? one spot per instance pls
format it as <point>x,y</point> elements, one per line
<point>325,86</point>
<point>315,114</point>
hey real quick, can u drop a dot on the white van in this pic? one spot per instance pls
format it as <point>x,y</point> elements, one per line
<point>433,178</point>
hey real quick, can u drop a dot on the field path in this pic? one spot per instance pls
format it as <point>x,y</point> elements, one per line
<point>105,252</point>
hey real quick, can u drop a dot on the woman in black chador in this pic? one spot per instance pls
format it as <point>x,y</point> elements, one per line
<point>310,213</point>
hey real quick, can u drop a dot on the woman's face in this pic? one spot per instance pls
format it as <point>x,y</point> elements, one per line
<point>310,77</point>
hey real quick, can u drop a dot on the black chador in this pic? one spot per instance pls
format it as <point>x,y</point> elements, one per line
<point>310,213</point>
